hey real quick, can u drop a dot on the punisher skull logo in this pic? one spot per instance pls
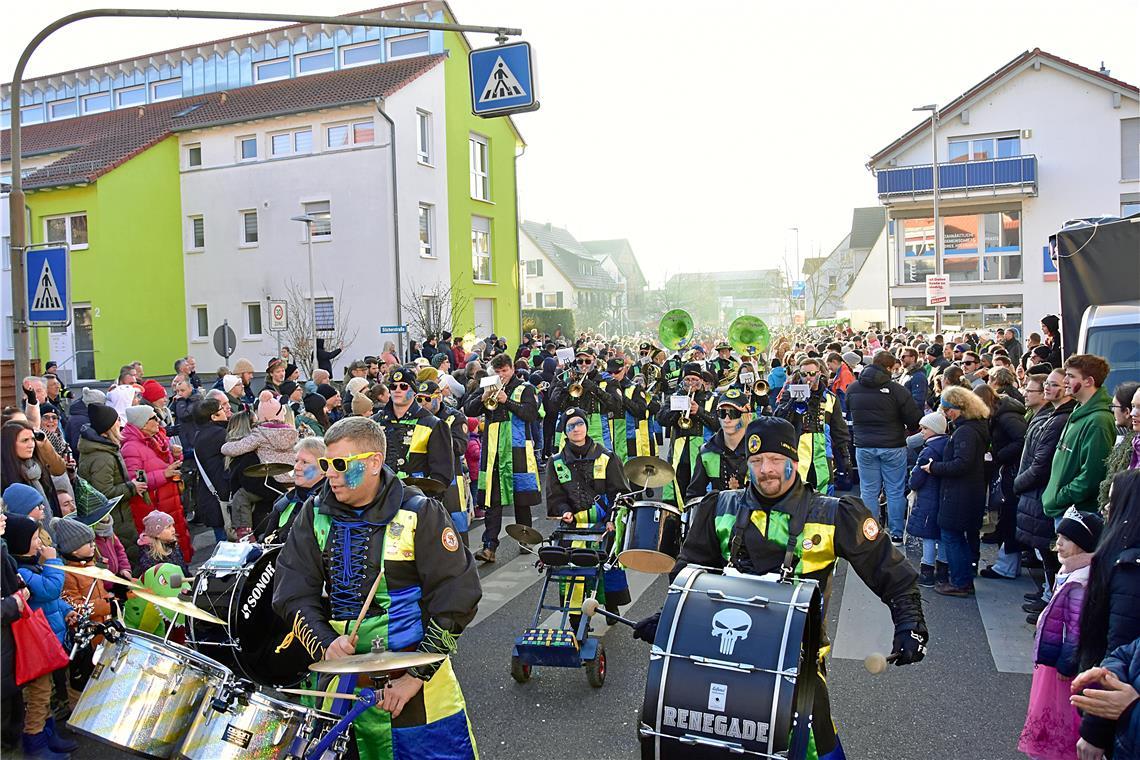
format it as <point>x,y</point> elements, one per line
<point>731,625</point>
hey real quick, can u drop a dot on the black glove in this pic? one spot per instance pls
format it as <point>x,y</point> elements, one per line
<point>30,395</point>
<point>910,645</point>
<point>646,628</point>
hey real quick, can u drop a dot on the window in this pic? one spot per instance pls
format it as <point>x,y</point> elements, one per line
<point>196,233</point>
<point>168,90</point>
<point>1002,259</point>
<point>64,109</point>
<point>337,137</point>
<point>97,103</point>
<point>1128,208</point>
<point>267,71</point>
<point>303,141</point>
<point>321,211</point>
<point>200,322</point>
<point>407,45</point>
<point>363,133</point>
<point>423,136</point>
<point>976,247</point>
<point>427,224</point>
<point>480,176</point>
<point>344,135</point>
<point>313,63</point>
<point>552,300</point>
<point>481,248</point>
<point>433,313</point>
<point>247,148</point>
<point>534,268</point>
<point>359,55</point>
<point>983,148</point>
<point>70,229</point>
<point>248,227</point>
<point>1130,148</point>
<point>193,155</point>
<point>252,320</point>
<point>32,115</point>
<point>325,316</point>
<point>131,96</point>
<point>291,143</point>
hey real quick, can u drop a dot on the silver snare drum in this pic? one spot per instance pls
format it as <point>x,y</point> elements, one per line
<point>143,694</point>
<point>233,724</point>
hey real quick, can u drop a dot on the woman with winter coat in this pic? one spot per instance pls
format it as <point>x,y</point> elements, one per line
<point>22,462</point>
<point>272,441</point>
<point>314,420</point>
<point>1122,451</point>
<point>101,464</point>
<point>927,488</point>
<point>1052,723</point>
<point>1111,616</point>
<point>213,483</point>
<point>147,449</point>
<point>1007,433</point>
<point>960,508</point>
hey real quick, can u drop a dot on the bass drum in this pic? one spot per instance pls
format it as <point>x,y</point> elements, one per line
<point>251,644</point>
<point>652,537</point>
<point>724,667</point>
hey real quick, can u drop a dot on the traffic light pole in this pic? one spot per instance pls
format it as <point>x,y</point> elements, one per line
<point>21,329</point>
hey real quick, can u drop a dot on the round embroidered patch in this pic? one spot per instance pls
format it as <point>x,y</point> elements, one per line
<point>870,529</point>
<point>753,443</point>
<point>450,540</point>
<point>807,544</point>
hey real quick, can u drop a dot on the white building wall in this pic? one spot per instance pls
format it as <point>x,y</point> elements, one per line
<point>1075,134</point>
<point>867,300</point>
<point>7,344</point>
<point>551,281</point>
<point>355,266</point>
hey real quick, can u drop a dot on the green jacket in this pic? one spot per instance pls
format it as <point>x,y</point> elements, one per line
<point>1078,463</point>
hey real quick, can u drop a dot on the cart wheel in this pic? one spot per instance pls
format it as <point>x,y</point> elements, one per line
<point>520,671</point>
<point>596,668</point>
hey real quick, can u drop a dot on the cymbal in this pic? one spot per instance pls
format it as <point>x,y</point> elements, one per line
<point>524,534</point>
<point>99,574</point>
<point>375,662</point>
<point>267,470</point>
<point>176,605</point>
<point>649,472</point>
<point>430,486</point>
<point>319,694</point>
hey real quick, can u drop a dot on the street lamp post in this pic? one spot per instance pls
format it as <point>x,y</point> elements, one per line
<point>933,108</point>
<point>308,222</point>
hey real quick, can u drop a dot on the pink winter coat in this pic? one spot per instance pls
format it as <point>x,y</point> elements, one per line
<point>474,447</point>
<point>153,455</point>
<point>273,442</point>
<point>111,549</point>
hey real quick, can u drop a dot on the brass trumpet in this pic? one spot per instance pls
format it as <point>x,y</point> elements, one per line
<point>760,388</point>
<point>490,397</point>
<point>685,421</point>
<point>575,388</point>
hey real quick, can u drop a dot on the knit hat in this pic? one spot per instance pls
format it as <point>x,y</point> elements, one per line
<point>48,407</point>
<point>427,373</point>
<point>290,369</point>
<point>401,375</point>
<point>1041,352</point>
<point>356,384</point>
<point>152,391</point>
<point>935,350</point>
<point>102,417</point>
<point>439,359</point>
<point>326,390</point>
<point>575,411</point>
<point>268,407</point>
<point>313,403</point>
<point>772,435</point>
<point>21,499</point>
<point>421,362</point>
<point>140,415</point>
<point>1082,528</point>
<point>69,535</point>
<point>92,396</point>
<point>286,389</point>
<point>153,524</point>
<point>692,368</point>
<point>91,506</point>
<point>19,532</point>
<point>962,348</point>
<point>427,388</point>
<point>242,366</point>
<point>361,405</point>
<point>229,381</point>
<point>935,421</point>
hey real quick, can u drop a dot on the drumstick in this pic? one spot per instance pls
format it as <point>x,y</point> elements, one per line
<point>876,663</point>
<point>367,603</point>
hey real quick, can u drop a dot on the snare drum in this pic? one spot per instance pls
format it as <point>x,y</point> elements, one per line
<point>236,724</point>
<point>243,597</point>
<point>652,538</point>
<point>143,694</point>
<point>724,668</point>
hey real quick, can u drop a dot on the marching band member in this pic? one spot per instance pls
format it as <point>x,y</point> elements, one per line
<point>307,480</point>
<point>360,520</point>
<point>689,429</point>
<point>617,420</point>
<point>508,471</point>
<point>430,396</point>
<point>641,407</point>
<point>774,522</point>
<point>724,363</point>
<point>419,444</point>
<point>820,427</point>
<point>722,464</point>
<point>595,397</point>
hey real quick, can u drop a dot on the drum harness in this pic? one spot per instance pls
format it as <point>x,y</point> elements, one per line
<point>808,669</point>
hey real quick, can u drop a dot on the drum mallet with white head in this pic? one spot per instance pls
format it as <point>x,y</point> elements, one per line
<point>876,663</point>
<point>591,607</point>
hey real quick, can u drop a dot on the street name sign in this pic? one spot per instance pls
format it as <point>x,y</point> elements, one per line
<point>502,80</point>
<point>47,281</point>
<point>393,329</point>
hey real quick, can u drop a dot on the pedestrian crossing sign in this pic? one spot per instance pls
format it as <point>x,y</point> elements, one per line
<point>48,285</point>
<point>502,80</point>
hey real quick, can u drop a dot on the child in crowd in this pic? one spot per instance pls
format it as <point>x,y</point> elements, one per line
<point>76,545</point>
<point>472,455</point>
<point>776,378</point>
<point>1052,724</point>
<point>923,521</point>
<point>272,439</point>
<point>159,543</point>
<point>111,549</point>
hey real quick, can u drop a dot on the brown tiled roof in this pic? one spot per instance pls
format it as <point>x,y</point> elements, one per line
<point>961,100</point>
<point>101,142</point>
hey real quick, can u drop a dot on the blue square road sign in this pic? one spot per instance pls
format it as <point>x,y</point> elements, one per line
<point>47,282</point>
<point>502,80</point>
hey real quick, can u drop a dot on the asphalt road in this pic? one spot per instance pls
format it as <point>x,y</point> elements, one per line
<point>966,700</point>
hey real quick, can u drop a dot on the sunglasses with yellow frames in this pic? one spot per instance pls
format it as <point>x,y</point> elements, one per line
<point>340,464</point>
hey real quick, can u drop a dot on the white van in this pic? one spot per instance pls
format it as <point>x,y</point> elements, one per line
<point>1113,331</point>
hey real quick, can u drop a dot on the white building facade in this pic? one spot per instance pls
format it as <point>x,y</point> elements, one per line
<point>1039,142</point>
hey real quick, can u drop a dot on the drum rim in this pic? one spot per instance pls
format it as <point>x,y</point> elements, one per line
<point>659,505</point>
<point>173,650</point>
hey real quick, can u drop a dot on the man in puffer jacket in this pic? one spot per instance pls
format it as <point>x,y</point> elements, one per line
<point>1119,672</point>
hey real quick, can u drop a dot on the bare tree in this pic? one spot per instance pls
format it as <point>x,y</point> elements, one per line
<point>300,325</point>
<point>822,292</point>
<point>432,309</point>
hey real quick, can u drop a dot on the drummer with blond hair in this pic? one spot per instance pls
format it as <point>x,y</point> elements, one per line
<point>776,523</point>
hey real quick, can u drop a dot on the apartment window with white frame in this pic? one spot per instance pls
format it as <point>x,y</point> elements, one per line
<point>481,248</point>
<point>97,102</point>
<point>408,45</point>
<point>480,167</point>
<point>194,155</point>
<point>269,71</point>
<point>247,148</point>
<point>252,320</point>
<point>131,96</point>
<point>984,148</point>
<point>291,143</point>
<point>1130,148</point>
<point>64,109</point>
<point>427,231</point>
<point>195,233</point>
<point>433,313</point>
<point>168,90</point>
<point>315,62</point>
<point>69,228</point>
<point>321,211</point>
<point>360,55</point>
<point>248,220</point>
<point>200,324</point>
<point>348,135</point>
<point>423,136</point>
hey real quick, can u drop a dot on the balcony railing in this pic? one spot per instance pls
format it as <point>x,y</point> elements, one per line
<point>1018,173</point>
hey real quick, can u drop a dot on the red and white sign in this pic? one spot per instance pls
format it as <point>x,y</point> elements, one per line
<point>278,315</point>
<point>938,290</point>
